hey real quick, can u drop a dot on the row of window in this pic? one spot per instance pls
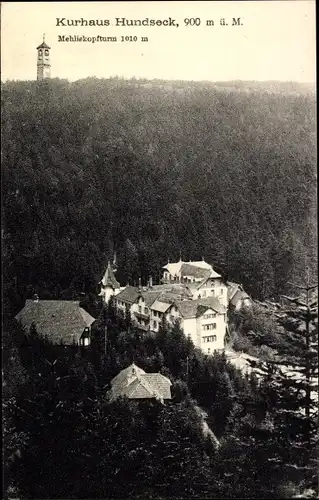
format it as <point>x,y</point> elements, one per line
<point>145,309</point>
<point>210,315</point>
<point>120,303</point>
<point>183,279</point>
<point>157,314</point>
<point>211,326</point>
<point>211,338</point>
<point>212,293</point>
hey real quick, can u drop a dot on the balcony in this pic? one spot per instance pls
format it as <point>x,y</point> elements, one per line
<point>140,315</point>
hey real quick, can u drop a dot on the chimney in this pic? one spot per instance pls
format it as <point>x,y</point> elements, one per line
<point>35,297</point>
<point>151,282</point>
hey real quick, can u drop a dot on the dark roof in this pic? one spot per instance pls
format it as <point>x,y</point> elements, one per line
<point>195,271</point>
<point>163,293</point>
<point>134,383</point>
<point>178,294</point>
<point>193,308</point>
<point>59,320</point>
<point>109,278</point>
<point>232,289</point>
<point>211,275</point>
<point>129,294</point>
<point>43,46</point>
<point>238,296</point>
<point>187,308</point>
<point>150,296</point>
<point>212,303</point>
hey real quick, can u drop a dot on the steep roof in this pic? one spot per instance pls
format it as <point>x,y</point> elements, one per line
<point>238,296</point>
<point>176,288</point>
<point>187,308</point>
<point>176,293</point>
<point>109,278</point>
<point>43,46</point>
<point>134,383</point>
<point>124,375</point>
<point>175,267</point>
<point>158,382</point>
<point>195,271</point>
<point>232,289</point>
<point>200,263</point>
<point>129,294</point>
<point>192,308</point>
<point>212,303</point>
<point>150,296</point>
<point>59,320</point>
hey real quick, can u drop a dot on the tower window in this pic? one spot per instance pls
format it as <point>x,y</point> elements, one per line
<point>40,52</point>
<point>46,52</point>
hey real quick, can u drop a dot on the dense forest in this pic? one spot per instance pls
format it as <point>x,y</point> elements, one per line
<point>65,438</point>
<point>152,169</point>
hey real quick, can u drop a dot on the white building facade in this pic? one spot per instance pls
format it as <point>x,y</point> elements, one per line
<point>191,293</point>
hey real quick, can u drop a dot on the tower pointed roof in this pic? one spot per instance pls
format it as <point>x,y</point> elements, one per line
<point>43,44</point>
<point>109,278</point>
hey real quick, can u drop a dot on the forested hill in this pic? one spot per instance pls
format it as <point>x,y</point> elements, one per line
<point>224,171</point>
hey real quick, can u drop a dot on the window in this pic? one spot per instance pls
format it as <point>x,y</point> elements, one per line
<point>211,326</point>
<point>139,309</point>
<point>46,52</point>
<point>213,293</point>
<point>221,291</point>
<point>40,52</point>
<point>210,338</point>
<point>208,350</point>
<point>210,315</point>
<point>154,324</point>
<point>155,313</point>
<point>146,310</point>
<point>171,318</point>
<point>86,341</point>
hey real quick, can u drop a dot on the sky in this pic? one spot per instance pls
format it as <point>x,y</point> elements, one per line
<point>275,41</point>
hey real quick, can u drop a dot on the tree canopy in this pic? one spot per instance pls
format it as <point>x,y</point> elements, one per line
<point>94,166</point>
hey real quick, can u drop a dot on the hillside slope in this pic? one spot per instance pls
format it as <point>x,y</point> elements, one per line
<point>151,168</point>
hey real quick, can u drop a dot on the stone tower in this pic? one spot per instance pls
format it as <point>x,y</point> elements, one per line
<point>43,61</point>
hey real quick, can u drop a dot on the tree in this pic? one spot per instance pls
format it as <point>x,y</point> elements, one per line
<point>289,388</point>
